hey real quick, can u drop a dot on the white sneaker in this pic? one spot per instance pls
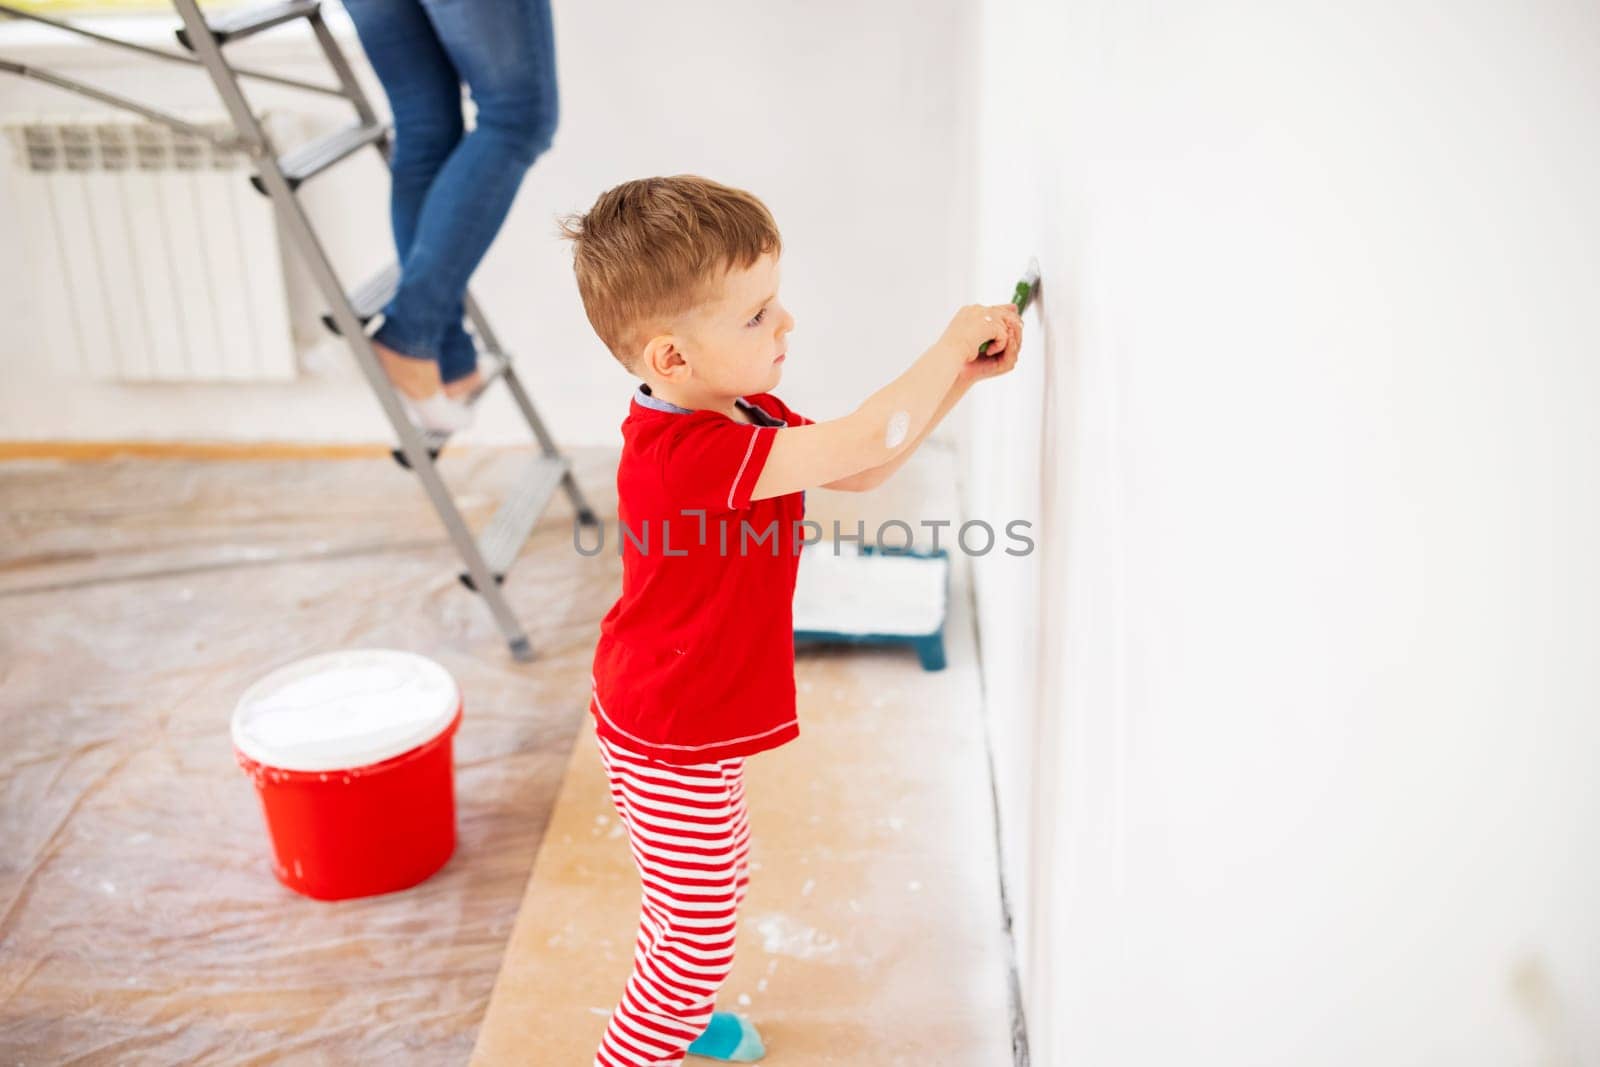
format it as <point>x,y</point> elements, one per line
<point>437,413</point>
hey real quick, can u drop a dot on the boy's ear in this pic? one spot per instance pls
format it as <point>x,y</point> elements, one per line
<point>663,357</point>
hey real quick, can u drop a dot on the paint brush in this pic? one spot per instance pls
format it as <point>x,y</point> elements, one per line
<point>1022,295</point>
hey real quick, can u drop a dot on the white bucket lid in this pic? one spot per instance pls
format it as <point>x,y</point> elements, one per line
<point>344,709</point>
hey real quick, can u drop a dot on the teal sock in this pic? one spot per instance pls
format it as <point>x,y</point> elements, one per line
<point>729,1038</point>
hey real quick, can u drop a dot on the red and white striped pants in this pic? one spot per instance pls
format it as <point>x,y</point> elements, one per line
<point>690,835</point>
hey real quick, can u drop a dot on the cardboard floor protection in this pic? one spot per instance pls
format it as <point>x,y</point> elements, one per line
<point>872,933</point>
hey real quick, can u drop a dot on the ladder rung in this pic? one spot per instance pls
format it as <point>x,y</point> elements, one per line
<point>369,297</point>
<point>314,157</point>
<point>508,531</point>
<point>433,439</point>
<point>242,24</point>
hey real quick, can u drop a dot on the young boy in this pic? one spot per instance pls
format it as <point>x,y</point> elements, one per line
<point>694,670</point>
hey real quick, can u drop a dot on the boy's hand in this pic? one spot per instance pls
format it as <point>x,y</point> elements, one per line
<point>1001,358</point>
<point>977,323</point>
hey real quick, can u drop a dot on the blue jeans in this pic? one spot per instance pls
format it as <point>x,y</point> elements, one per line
<point>452,189</point>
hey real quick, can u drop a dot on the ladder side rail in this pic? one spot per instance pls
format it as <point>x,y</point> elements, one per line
<point>72,85</point>
<point>160,53</point>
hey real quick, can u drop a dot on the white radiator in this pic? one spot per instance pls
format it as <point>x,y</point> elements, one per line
<point>151,255</point>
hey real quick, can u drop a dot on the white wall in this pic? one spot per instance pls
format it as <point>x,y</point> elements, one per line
<point>853,122</point>
<point>1298,735</point>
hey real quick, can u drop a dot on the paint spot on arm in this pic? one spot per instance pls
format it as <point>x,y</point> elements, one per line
<point>895,433</point>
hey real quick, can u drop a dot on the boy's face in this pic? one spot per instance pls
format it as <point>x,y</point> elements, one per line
<point>731,345</point>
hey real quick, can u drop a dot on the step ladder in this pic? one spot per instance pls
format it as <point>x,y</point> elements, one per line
<point>487,557</point>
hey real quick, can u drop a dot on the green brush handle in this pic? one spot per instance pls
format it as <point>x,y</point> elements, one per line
<point>1020,297</point>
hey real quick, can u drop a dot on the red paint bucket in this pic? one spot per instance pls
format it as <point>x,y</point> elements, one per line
<point>352,756</point>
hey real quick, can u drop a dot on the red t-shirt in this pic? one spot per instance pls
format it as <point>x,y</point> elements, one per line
<point>696,659</point>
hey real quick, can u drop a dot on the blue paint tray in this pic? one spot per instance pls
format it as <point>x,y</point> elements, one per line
<point>873,596</point>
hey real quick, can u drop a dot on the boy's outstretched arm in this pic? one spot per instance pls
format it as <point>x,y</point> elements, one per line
<point>873,477</point>
<point>1000,361</point>
<point>887,422</point>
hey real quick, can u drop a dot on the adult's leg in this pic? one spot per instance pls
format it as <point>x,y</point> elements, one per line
<point>458,355</point>
<point>424,91</point>
<point>687,827</point>
<point>505,51</point>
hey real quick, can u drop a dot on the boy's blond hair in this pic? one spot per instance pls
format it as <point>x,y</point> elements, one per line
<point>651,249</point>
